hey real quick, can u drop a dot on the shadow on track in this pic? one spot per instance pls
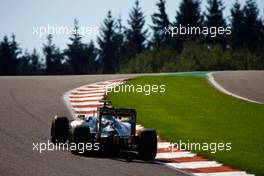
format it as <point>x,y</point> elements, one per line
<point>120,156</point>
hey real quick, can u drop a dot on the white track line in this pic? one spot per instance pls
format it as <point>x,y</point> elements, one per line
<point>86,103</point>
<point>109,84</point>
<point>85,89</point>
<point>164,144</point>
<point>88,94</point>
<point>85,109</point>
<point>232,173</point>
<point>81,92</point>
<point>195,164</point>
<point>222,89</point>
<point>87,98</point>
<point>174,155</point>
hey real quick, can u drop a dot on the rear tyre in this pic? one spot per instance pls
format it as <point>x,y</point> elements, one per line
<point>80,134</point>
<point>59,130</point>
<point>147,147</point>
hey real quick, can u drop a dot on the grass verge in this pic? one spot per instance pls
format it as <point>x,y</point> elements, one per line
<point>192,110</point>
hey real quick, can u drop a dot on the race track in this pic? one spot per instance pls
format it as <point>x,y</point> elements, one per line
<point>246,84</point>
<point>27,107</point>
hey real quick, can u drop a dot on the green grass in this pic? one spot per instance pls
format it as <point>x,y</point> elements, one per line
<point>191,109</point>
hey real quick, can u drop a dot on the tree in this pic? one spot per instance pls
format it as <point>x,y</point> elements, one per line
<point>238,28</point>
<point>247,36</point>
<point>253,37</point>
<point>214,18</point>
<point>121,52</point>
<point>108,45</point>
<point>29,64</point>
<point>90,52</point>
<point>53,57</point>
<point>34,62</point>
<point>160,22</point>
<point>189,15</point>
<point>136,35</point>
<point>77,55</point>
<point>9,51</point>
<point>24,64</point>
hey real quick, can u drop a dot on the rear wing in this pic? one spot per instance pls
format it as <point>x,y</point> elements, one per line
<point>117,112</point>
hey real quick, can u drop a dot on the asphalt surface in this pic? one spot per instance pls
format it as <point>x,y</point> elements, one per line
<point>27,107</point>
<point>247,84</point>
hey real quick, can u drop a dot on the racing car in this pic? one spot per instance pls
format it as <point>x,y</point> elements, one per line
<point>113,128</point>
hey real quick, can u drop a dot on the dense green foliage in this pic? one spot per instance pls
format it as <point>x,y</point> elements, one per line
<point>194,56</point>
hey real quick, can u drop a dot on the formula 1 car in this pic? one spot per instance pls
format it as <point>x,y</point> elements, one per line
<point>114,130</point>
